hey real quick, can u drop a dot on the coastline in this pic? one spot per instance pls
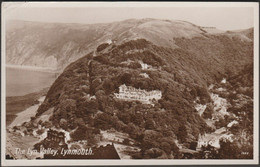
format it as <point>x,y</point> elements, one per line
<point>25,115</point>
<point>18,104</point>
<point>32,68</point>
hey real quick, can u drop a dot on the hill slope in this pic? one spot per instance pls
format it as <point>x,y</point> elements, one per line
<point>177,58</point>
<point>83,95</point>
<point>55,45</point>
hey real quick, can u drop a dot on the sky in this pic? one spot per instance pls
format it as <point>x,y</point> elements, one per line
<point>221,16</point>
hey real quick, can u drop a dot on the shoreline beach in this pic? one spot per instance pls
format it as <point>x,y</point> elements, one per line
<point>17,104</point>
<point>32,68</point>
<point>25,115</point>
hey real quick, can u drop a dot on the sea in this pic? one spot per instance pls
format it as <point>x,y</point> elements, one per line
<point>22,81</point>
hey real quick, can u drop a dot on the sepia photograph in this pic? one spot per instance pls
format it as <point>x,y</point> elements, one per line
<point>129,83</point>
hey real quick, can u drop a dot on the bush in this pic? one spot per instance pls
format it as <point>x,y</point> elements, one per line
<point>40,131</point>
<point>79,134</point>
<point>126,141</point>
<point>102,47</point>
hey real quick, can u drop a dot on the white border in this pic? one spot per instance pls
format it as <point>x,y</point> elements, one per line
<point>254,5</point>
<point>133,4</point>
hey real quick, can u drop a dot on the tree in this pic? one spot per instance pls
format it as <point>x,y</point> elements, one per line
<point>135,65</point>
<point>102,47</point>
<point>91,106</point>
<point>126,141</point>
<point>207,114</point>
<point>182,134</point>
<point>126,78</point>
<point>108,85</point>
<point>150,140</point>
<point>149,124</point>
<point>207,152</point>
<point>228,150</point>
<point>203,94</point>
<point>64,124</point>
<point>166,147</point>
<point>153,153</point>
<point>80,133</point>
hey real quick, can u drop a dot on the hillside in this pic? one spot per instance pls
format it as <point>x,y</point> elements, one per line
<point>55,45</point>
<point>82,100</point>
<point>203,76</point>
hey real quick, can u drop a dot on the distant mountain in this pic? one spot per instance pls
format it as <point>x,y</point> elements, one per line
<point>55,45</point>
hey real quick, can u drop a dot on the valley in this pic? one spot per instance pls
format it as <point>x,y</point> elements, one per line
<point>128,148</point>
<point>185,94</point>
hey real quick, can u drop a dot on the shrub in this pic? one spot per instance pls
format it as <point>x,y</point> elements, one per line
<point>102,47</point>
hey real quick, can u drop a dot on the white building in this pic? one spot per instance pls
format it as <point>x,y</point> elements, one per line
<point>208,139</point>
<point>212,139</point>
<point>224,81</point>
<point>144,75</point>
<point>232,123</point>
<point>130,93</point>
<point>145,66</point>
<point>109,41</point>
